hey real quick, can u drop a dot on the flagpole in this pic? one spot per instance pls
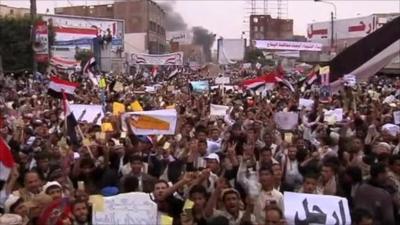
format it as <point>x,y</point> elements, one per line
<point>84,144</point>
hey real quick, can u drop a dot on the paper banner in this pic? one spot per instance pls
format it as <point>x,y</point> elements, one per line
<point>300,209</point>
<point>286,120</point>
<point>151,122</point>
<point>218,110</point>
<point>90,114</point>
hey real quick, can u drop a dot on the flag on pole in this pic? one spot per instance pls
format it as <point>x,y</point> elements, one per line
<point>6,160</point>
<point>70,122</point>
<point>89,70</point>
<point>368,56</point>
<point>57,86</point>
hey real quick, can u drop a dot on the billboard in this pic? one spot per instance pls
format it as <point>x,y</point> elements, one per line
<point>353,28</point>
<point>41,45</point>
<point>231,50</point>
<point>73,31</point>
<point>182,37</point>
<point>288,45</point>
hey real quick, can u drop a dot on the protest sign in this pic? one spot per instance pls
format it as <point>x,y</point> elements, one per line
<point>303,208</point>
<point>306,103</point>
<point>175,58</point>
<point>130,208</point>
<point>222,80</point>
<point>286,120</point>
<point>199,86</point>
<point>218,110</point>
<point>89,112</point>
<point>333,116</point>
<point>151,122</point>
<point>118,86</point>
<point>396,116</point>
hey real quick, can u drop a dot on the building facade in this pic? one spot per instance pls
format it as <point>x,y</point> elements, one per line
<point>140,16</point>
<point>264,27</point>
<point>9,11</point>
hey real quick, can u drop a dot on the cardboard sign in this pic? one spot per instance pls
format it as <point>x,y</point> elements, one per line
<point>316,209</point>
<point>130,208</point>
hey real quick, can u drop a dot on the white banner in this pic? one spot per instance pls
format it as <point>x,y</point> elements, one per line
<point>222,80</point>
<point>130,208</point>
<point>157,122</point>
<point>218,110</point>
<point>175,58</point>
<point>288,45</point>
<point>316,209</point>
<point>87,112</point>
<point>286,120</point>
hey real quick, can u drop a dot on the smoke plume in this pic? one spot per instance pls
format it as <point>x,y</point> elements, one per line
<point>174,20</point>
<point>203,37</point>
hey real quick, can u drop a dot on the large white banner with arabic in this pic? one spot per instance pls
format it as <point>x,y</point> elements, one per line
<point>316,209</point>
<point>288,45</point>
<point>175,58</point>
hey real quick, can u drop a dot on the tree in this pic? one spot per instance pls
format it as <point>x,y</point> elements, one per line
<point>15,44</point>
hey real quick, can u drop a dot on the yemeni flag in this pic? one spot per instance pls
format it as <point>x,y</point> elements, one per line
<point>89,69</point>
<point>6,161</point>
<point>267,81</point>
<point>58,86</point>
<point>70,122</point>
<point>368,56</point>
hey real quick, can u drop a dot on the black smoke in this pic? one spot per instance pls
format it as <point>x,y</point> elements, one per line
<point>175,22</point>
<point>205,38</point>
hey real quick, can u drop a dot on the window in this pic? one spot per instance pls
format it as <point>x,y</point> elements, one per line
<point>11,11</point>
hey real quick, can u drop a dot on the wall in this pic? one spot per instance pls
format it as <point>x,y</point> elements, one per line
<point>264,27</point>
<point>135,42</point>
<point>13,11</point>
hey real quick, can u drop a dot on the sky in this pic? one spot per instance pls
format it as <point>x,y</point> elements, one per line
<point>228,18</point>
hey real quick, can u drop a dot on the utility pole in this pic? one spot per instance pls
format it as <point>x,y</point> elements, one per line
<point>33,34</point>
<point>332,32</point>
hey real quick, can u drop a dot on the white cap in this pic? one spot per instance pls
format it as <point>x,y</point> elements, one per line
<point>11,200</point>
<point>51,184</point>
<point>10,219</point>
<point>212,156</point>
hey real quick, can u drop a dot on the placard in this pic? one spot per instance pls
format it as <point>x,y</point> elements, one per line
<point>91,112</point>
<point>218,110</point>
<point>333,116</point>
<point>157,122</point>
<point>286,120</point>
<point>306,103</point>
<point>130,208</point>
<point>222,80</point>
<point>303,208</point>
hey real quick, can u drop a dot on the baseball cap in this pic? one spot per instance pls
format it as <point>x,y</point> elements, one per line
<point>213,156</point>
<point>51,184</point>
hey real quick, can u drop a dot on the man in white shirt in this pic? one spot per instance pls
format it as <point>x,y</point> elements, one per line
<point>267,194</point>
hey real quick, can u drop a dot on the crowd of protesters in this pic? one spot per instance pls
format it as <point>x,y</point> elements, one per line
<point>235,169</point>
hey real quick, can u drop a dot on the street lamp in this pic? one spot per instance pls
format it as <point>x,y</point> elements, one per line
<point>333,17</point>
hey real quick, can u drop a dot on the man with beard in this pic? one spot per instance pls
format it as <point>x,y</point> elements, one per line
<point>80,214</point>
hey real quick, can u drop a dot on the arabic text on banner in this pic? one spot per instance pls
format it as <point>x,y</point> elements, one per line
<point>130,208</point>
<point>175,58</point>
<point>316,209</point>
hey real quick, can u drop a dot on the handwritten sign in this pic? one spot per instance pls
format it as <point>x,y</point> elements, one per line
<point>333,116</point>
<point>130,208</point>
<point>286,120</point>
<point>349,80</point>
<point>316,209</point>
<point>218,110</point>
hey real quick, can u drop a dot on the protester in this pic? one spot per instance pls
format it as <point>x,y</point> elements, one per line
<point>232,166</point>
